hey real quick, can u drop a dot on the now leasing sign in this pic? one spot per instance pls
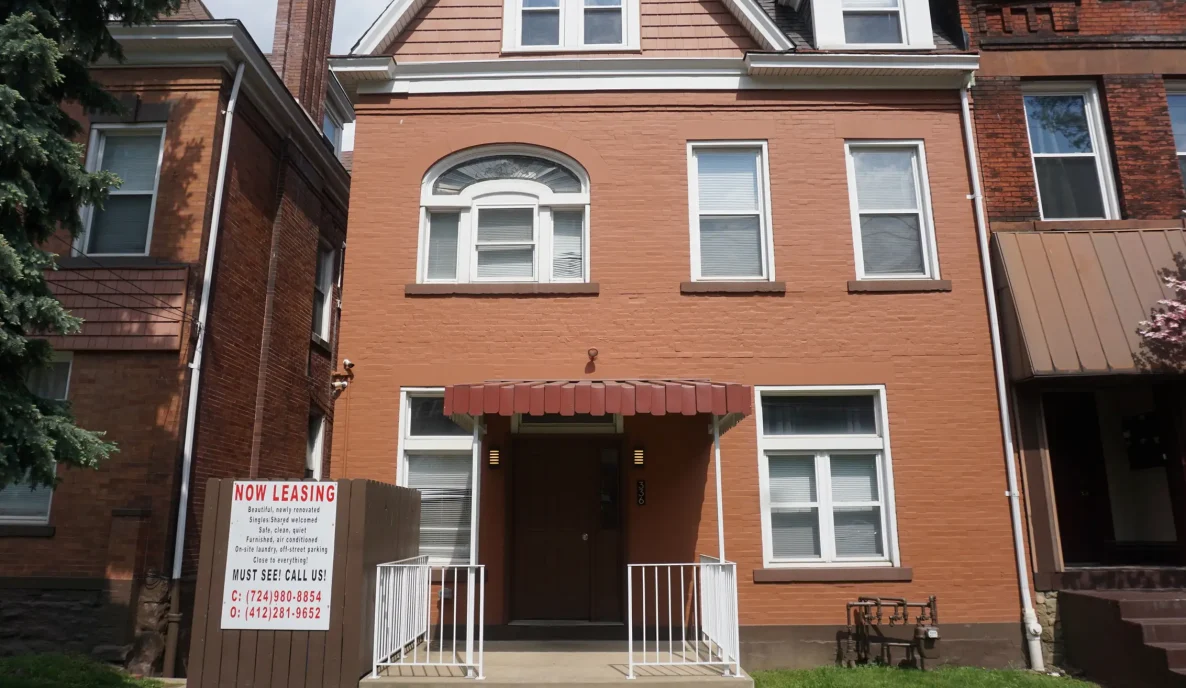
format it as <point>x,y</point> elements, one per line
<point>280,556</point>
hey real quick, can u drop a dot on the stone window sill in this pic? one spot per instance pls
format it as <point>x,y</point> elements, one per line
<point>896,286</point>
<point>320,344</point>
<point>504,289</point>
<point>26,530</point>
<point>733,287</point>
<point>854,574</point>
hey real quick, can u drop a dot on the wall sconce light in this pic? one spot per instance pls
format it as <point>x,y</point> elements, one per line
<point>494,456</point>
<point>640,457</point>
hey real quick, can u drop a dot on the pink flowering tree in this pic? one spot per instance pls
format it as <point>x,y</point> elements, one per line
<point>1165,333</point>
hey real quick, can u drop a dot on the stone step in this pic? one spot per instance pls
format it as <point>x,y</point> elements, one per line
<point>1159,630</point>
<point>1153,607</point>
<point>1175,654</point>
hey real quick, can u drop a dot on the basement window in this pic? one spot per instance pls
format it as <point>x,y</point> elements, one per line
<point>21,503</point>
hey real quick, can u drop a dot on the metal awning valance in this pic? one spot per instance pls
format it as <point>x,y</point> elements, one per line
<point>1072,301</point>
<point>600,397</point>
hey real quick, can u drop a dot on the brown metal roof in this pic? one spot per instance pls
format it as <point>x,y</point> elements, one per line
<point>1071,302</point>
<point>599,397</point>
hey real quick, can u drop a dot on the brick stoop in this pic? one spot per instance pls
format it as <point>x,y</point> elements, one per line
<point>1126,637</point>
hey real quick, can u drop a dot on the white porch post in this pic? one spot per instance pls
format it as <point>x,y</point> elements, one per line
<point>716,452</point>
<point>470,591</point>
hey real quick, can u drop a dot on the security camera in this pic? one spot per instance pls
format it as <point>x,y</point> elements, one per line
<point>347,363</point>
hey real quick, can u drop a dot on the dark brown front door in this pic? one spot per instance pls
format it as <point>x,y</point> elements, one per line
<point>1080,477</point>
<point>564,548</point>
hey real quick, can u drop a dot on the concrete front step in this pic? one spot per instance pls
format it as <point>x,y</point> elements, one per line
<point>1161,630</point>
<point>572,664</point>
<point>1175,654</point>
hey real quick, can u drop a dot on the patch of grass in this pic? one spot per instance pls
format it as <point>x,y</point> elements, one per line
<point>64,671</point>
<point>882,677</point>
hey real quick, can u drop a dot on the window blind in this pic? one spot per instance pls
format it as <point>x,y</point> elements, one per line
<point>792,479</point>
<point>890,216</point>
<point>500,263</point>
<point>133,159</point>
<point>568,244</point>
<point>442,245</point>
<point>121,226</point>
<point>858,531</point>
<point>854,478</point>
<point>18,502</point>
<point>729,213</point>
<point>445,485</point>
<point>506,224</point>
<point>795,533</point>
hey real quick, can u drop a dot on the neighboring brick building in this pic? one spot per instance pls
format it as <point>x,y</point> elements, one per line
<point>91,572</point>
<point>1081,122</point>
<point>640,217</point>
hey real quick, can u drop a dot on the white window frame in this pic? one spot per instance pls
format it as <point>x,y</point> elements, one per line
<point>459,445</point>
<point>572,30</point>
<point>1177,88</point>
<point>317,453</point>
<point>502,193</point>
<point>58,357</point>
<point>900,9</point>
<point>922,186</point>
<point>94,162</point>
<point>1099,143</point>
<point>915,21</point>
<point>764,213</point>
<point>819,446</point>
<point>327,256</point>
<point>339,129</point>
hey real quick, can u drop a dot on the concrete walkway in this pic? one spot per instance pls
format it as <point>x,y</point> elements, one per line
<point>574,664</point>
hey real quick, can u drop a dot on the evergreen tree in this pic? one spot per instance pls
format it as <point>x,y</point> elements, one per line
<point>46,47</point>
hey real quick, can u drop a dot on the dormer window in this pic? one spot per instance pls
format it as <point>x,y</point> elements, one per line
<point>570,25</point>
<point>872,22</point>
<point>854,25</point>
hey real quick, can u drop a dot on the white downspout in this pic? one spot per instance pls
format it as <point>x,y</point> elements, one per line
<point>1033,630</point>
<point>191,417</point>
<point>716,454</point>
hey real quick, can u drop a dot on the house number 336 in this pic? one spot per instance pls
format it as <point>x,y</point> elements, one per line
<point>641,493</point>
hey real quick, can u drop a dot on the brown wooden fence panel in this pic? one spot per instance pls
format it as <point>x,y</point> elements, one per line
<point>376,523</point>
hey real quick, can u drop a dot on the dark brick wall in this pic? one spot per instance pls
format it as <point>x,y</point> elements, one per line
<point>1146,160</point>
<point>1005,167</point>
<point>1067,22</point>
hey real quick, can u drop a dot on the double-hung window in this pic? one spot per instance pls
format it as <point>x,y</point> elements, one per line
<point>123,226</point>
<point>872,22</point>
<point>1070,155</point>
<point>893,232</point>
<point>502,215</point>
<point>21,502</point>
<point>1177,101</point>
<point>729,199</point>
<point>437,459</point>
<point>826,483</point>
<point>563,25</point>
<point>323,291</point>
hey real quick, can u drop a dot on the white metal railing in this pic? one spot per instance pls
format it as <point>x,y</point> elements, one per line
<point>695,603</point>
<point>411,596</point>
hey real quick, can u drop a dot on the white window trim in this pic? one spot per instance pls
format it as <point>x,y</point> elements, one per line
<point>914,18</point>
<point>339,129</point>
<point>58,357</point>
<point>327,287</point>
<point>1099,143</point>
<point>318,453</point>
<point>902,29</point>
<point>449,444</point>
<point>502,193</point>
<point>94,162</point>
<point>572,32</point>
<point>764,213</point>
<point>810,445</point>
<point>930,248</point>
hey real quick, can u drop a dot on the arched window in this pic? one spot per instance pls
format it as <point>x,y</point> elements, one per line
<point>505,214</point>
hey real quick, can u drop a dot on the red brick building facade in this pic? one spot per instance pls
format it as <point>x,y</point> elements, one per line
<point>472,120</point>
<point>91,569</point>
<point>1081,121</point>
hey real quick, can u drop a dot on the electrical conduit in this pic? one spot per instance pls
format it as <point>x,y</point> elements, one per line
<point>191,417</point>
<point>1033,630</point>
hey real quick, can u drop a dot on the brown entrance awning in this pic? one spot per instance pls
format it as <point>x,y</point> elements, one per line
<point>1071,301</point>
<point>599,397</point>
